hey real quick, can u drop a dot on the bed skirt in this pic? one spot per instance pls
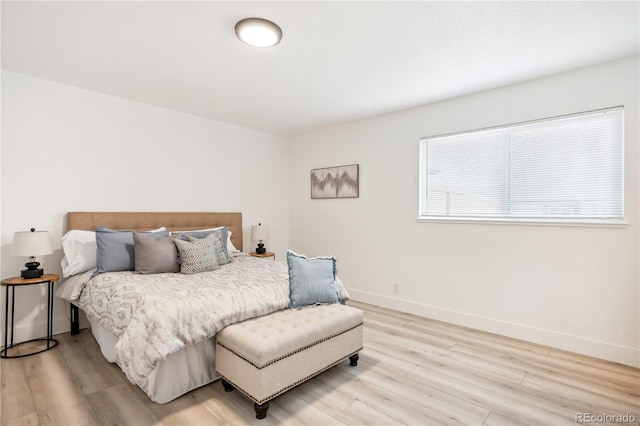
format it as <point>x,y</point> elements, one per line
<point>189,368</point>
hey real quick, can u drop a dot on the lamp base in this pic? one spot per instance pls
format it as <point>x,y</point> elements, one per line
<point>260,249</point>
<point>31,273</point>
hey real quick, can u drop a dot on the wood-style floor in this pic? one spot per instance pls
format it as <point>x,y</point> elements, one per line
<point>412,371</point>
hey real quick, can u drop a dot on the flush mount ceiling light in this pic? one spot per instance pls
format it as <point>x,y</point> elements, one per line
<point>258,32</point>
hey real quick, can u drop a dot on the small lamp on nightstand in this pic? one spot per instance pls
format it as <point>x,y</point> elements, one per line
<point>31,243</point>
<point>260,233</point>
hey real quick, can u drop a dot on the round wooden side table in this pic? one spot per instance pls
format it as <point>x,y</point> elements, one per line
<point>11,284</point>
<point>263,255</point>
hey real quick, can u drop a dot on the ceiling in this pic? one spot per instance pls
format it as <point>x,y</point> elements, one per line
<point>337,62</point>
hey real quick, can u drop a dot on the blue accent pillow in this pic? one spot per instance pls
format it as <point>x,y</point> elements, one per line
<point>223,230</point>
<point>115,249</point>
<point>312,281</point>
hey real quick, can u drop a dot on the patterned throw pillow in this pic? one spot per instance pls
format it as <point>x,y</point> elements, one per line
<point>203,233</point>
<point>197,255</point>
<point>219,251</point>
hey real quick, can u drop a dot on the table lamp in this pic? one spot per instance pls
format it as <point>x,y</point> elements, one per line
<point>31,243</point>
<point>260,233</point>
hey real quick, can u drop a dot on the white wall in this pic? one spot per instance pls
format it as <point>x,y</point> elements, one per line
<point>66,149</point>
<point>575,288</point>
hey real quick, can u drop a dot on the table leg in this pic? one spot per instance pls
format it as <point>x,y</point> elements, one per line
<point>6,318</point>
<point>13,310</point>
<point>49,311</point>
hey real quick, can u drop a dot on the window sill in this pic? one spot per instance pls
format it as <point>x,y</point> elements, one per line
<point>593,223</point>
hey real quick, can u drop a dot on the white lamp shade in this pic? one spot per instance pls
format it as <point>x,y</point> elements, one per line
<point>29,243</point>
<point>259,232</point>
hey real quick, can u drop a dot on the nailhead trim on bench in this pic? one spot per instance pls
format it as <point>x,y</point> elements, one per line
<point>283,390</point>
<point>260,367</point>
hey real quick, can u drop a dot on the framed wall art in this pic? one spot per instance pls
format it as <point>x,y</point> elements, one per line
<point>335,182</point>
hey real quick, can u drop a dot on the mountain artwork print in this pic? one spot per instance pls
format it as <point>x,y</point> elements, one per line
<point>335,182</point>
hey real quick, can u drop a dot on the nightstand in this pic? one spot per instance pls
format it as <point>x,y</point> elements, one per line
<point>11,284</point>
<point>265,254</point>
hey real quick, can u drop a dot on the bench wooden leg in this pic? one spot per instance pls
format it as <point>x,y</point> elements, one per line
<point>261,410</point>
<point>228,387</point>
<point>353,360</point>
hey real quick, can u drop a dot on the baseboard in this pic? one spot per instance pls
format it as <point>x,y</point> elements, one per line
<point>603,350</point>
<point>22,333</point>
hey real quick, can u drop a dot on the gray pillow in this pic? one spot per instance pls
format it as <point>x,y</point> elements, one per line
<point>197,255</point>
<point>224,232</point>
<point>115,249</point>
<point>311,281</point>
<point>220,250</point>
<point>155,256</point>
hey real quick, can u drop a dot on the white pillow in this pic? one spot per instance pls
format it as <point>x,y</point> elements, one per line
<point>196,230</point>
<point>230,247</point>
<point>79,248</point>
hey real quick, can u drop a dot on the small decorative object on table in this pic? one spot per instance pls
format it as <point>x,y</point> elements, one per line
<point>31,244</point>
<point>260,233</point>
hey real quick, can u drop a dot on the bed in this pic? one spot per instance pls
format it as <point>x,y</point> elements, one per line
<point>160,328</point>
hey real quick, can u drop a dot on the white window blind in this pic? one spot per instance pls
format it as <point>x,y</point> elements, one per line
<point>562,168</point>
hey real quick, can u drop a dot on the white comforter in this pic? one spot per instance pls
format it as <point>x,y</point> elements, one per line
<point>156,315</point>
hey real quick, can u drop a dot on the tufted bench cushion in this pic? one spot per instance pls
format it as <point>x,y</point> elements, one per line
<point>266,356</point>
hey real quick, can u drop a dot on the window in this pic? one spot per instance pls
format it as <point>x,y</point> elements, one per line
<point>560,169</point>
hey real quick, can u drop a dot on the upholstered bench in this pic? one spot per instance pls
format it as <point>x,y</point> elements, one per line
<point>266,356</point>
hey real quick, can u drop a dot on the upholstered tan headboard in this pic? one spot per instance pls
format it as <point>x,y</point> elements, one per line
<point>142,221</point>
